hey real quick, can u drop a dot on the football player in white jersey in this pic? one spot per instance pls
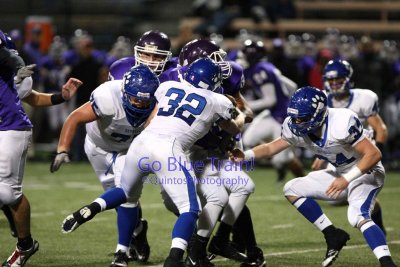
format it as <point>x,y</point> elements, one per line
<point>336,135</point>
<point>114,116</point>
<point>364,102</point>
<point>185,112</point>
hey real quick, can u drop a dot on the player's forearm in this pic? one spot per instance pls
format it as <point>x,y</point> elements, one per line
<point>368,161</point>
<point>244,107</point>
<point>67,134</point>
<point>37,99</point>
<point>381,135</point>
<point>269,149</point>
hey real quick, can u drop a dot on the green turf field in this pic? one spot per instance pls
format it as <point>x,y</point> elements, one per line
<point>285,236</point>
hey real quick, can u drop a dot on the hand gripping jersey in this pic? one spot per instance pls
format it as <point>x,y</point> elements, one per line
<point>341,131</point>
<point>187,113</point>
<point>112,131</point>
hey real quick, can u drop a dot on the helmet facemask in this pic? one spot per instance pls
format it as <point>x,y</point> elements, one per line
<point>158,58</point>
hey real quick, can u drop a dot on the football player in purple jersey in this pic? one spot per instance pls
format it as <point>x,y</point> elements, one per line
<point>15,138</point>
<point>269,92</point>
<point>153,49</point>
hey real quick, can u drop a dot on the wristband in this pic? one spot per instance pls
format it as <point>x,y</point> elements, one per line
<point>249,154</point>
<point>57,99</point>
<point>354,173</point>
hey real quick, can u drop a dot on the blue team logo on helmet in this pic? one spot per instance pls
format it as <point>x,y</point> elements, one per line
<point>307,110</point>
<point>138,88</point>
<point>204,73</point>
<point>337,75</point>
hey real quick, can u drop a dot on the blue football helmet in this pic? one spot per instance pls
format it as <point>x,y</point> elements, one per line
<point>337,75</point>
<point>307,110</point>
<point>204,73</point>
<point>138,88</point>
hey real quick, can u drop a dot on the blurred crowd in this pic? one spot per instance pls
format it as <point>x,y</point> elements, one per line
<point>299,57</point>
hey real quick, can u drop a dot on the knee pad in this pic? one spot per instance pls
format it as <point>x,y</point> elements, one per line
<point>8,195</point>
<point>130,204</point>
<point>353,216</point>
<point>289,190</point>
<point>218,196</point>
<point>107,183</point>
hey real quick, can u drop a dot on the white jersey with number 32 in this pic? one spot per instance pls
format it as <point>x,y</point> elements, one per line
<point>186,112</point>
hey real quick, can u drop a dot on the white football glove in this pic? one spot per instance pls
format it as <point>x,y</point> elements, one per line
<point>24,72</point>
<point>59,159</point>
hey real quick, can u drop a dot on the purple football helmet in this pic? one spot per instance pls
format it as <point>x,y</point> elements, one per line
<point>253,51</point>
<point>199,48</point>
<point>154,50</point>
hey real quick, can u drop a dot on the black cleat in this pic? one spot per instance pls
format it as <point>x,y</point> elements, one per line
<point>255,258</point>
<point>204,262</point>
<point>170,262</point>
<point>120,259</point>
<point>225,249</point>
<point>387,261</point>
<point>335,242</point>
<point>139,248</point>
<point>74,220</point>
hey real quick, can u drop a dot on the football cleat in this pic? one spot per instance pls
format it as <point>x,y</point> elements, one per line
<point>204,262</point>
<point>387,261</point>
<point>170,262</point>
<point>20,257</point>
<point>74,220</point>
<point>139,248</point>
<point>335,242</point>
<point>255,258</point>
<point>120,259</point>
<point>225,249</point>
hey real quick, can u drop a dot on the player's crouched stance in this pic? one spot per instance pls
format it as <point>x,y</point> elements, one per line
<point>335,135</point>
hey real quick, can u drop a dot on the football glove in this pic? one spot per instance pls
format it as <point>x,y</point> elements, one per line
<point>24,72</point>
<point>59,159</point>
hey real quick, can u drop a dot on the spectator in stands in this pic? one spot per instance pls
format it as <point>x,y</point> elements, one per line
<point>86,66</point>
<point>316,73</point>
<point>18,40</point>
<point>219,15</point>
<point>369,67</point>
<point>54,71</point>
